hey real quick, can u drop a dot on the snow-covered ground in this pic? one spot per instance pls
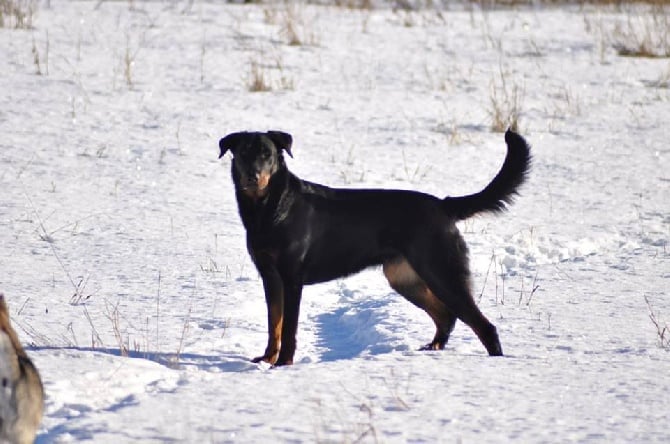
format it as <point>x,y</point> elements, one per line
<point>119,233</point>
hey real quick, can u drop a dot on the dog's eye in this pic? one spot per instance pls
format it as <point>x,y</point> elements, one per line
<point>265,154</point>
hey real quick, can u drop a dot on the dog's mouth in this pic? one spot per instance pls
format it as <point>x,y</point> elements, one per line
<point>255,186</point>
<point>260,183</point>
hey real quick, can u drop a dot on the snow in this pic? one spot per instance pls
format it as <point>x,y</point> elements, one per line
<point>120,234</point>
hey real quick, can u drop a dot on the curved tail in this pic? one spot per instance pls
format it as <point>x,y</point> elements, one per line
<point>500,192</point>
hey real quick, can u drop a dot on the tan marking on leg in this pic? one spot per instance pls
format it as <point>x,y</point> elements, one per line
<point>401,274</point>
<point>274,340</point>
<point>408,283</point>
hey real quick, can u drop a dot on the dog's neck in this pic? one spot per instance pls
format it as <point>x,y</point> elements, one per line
<point>261,209</point>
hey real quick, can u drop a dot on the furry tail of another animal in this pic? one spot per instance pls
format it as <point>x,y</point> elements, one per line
<point>500,193</point>
<point>22,393</point>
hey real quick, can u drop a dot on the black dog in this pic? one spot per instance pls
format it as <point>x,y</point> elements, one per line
<point>301,233</point>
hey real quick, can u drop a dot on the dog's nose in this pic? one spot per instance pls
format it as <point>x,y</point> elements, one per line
<point>253,177</point>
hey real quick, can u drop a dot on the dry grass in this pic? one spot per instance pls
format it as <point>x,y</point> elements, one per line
<point>267,75</point>
<point>355,4</point>
<point>258,80</point>
<point>506,104</point>
<point>295,28</point>
<point>644,35</point>
<point>642,30</point>
<point>513,3</point>
<point>17,14</point>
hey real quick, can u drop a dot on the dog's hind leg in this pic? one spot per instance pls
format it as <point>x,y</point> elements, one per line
<point>443,265</point>
<point>406,282</point>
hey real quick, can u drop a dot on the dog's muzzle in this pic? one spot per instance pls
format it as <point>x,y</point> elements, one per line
<point>255,182</point>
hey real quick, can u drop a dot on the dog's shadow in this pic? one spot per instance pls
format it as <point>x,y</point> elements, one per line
<point>347,332</point>
<point>353,330</point>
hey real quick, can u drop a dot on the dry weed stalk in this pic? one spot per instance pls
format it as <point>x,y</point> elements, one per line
<point>130,55</point>
<point>113,315</point>
<point>486,276</point>
<point>96,340</point>
<point>534,287</point>
<point>174,360</point>
<point>79,287</point>
<point>662,329</point>
<point>36,59</point>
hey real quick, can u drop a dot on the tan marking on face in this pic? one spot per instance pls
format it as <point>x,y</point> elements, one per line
<point>263,180</point>
<point>256,190</point>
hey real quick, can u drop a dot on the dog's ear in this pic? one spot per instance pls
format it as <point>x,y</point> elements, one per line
<point>282,140</point>
<point>229,143</point>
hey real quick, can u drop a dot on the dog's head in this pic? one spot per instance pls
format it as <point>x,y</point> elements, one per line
<point>257,157</point>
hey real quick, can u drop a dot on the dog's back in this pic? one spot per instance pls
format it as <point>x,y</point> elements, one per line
<point>21,392</point>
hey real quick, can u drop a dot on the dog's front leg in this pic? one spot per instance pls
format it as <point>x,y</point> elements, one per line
<point>274,298</point>
<point>292,296</point>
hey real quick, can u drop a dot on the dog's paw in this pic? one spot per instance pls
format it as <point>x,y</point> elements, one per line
<point>272,359</point>
<point>283,362</point>
<point>431,346</point>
